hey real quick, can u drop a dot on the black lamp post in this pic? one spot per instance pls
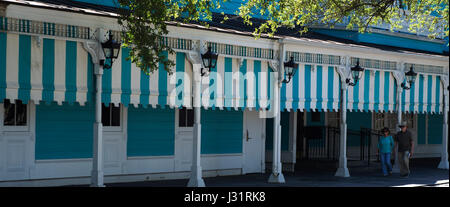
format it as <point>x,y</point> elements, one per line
<point>209,60</point>
<point>410,78</point>
<point>111,50</point>
<point>289,70</point>
<point>356,70</point>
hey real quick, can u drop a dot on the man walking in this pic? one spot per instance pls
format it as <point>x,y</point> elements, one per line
<point>404,142</point>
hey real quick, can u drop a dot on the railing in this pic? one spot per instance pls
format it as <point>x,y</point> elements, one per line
<point>369,141</point>
<point>322,143</point>
<point>43,28</point>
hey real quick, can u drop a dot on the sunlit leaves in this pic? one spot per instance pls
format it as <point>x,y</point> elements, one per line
<point>144,24</point>
<point>419,16</point>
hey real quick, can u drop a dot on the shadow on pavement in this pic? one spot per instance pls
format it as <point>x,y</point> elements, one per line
<point>424,173</point>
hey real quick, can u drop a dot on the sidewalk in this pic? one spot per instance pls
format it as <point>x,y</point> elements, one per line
<point>423,173</point>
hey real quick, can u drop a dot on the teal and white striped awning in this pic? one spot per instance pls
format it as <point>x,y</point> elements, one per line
<point>47,70</point>
<point>238,84</point>
<point>375,91</point>
<point>317,88</point>
<point>62,71</point>
<point>229,85</point>
<point>425,95</point>
<point>313,88</point>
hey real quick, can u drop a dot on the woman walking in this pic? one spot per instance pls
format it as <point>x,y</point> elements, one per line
<point>385,147</point>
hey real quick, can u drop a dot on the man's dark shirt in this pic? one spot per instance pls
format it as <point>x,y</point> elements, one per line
<point>404,140</point>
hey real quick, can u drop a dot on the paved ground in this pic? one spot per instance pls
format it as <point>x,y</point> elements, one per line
<point>316,174</point>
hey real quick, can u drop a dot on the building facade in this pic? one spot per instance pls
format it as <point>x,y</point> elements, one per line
<point>51,86</point>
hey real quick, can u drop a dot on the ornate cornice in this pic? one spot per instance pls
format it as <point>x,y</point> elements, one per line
<point>444,80</point>
<point>399,73</point>
<point>93,49</point>
<point>194,56</point>
<point>344,69</point>
<point>274,64</point>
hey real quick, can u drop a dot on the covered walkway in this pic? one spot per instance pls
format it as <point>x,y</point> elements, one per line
<point>317,174</point>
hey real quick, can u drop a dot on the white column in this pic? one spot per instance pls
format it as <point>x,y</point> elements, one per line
<point>196,179</point>
<point>342,171</point>
<point>277,174</point>
<point>444,155</point>
<point>399,107</point>
<point>396,168</point>
<point>292,140</point>
<point>399,76</point>
<point>97,160</point>
<point>95,50</point>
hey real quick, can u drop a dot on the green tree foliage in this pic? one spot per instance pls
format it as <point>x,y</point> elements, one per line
<point>422,16</point>
<point>144,22</point>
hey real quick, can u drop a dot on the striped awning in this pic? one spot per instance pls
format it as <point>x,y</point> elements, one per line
<point>317,88</point>
<point>425,95</point>
<point>313,88</point>
<point>375,91</point>
<point>44,69</point>
<point>229,85</point>
<point>238,83</point>
<point>62,71</point>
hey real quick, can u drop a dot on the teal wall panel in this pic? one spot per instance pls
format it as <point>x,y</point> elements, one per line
<point>356,121</point>
<point>421,130</point>
<point>151,132</point>
<point>64,132</point>
<point>222,131</point>
<point>284,132</point>
<point>435,124</point>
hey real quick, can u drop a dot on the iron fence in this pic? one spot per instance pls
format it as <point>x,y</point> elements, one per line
<point>322,143</point>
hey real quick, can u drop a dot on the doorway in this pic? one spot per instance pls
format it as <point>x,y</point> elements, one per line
<point>184,133</point>
<point>300,136</point>
<point>253,141</point>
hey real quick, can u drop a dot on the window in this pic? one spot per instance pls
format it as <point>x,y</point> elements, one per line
<point>110,115</point>
<point>186,117</point>
<point>15,114</point>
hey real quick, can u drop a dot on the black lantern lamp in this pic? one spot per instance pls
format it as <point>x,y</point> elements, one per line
<point>209,60</point>
<point>289,70</point>
<point>356,71</point>
<point>111,50</point>
<point>410,78</point>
